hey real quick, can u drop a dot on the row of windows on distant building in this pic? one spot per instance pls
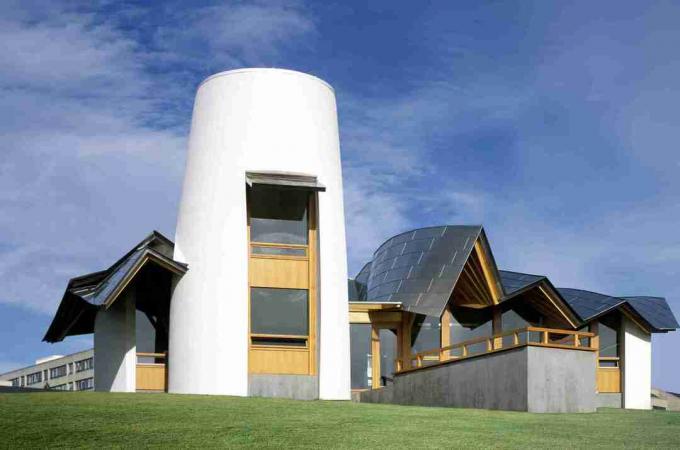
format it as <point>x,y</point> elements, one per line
<point>80,385</point>
<point>58,372</point>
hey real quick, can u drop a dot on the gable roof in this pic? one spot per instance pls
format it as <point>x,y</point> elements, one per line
<point>85,295</point>
<point>420,268</point>
<point>655,310</point>
<point>516,281</point>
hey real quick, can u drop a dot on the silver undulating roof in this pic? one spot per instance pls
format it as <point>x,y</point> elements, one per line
<point>420,268</point>
<point>515,281</point>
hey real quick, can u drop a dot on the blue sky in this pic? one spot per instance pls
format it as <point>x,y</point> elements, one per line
<point>553,124</point>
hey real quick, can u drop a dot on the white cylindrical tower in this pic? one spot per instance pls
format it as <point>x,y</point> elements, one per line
<point>253,120</point>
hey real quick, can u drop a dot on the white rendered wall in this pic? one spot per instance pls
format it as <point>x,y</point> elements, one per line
<point>252,120</point>
<point>114,347</point>
<point>637,367</point>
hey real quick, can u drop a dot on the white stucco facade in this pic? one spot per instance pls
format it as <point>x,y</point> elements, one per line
<point>115,356</point>
<point>637,367</point>
<point>252,120</point>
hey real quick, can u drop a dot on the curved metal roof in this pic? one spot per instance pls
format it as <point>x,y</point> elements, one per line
<point>516,281</point>
<point>419,268</point>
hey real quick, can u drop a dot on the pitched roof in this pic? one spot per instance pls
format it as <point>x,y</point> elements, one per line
<point>516,281</point>
<point>588,304</point>
<point>84,295</point>
<point>655,310</point>
<point>420,268</point>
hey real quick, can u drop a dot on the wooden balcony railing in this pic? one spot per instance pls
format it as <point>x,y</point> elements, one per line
<point>529,336</point>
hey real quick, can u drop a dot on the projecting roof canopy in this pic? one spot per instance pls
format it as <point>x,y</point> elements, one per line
<point>284,179</point>
<point>86,294</point>
<point>420,269</point>
<point>426,268</point>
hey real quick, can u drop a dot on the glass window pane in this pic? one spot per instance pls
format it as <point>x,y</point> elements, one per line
<point>425,334</point>
<point>520,315</point>
<point>288,342</point>
<point>388,352</point>
<point>278,251</point>
<point>360,355</point>
<point>469,323</point>
<point>279,311</point>
<point>609,335</point>
<point>278,215</point>
<point>609,363</point>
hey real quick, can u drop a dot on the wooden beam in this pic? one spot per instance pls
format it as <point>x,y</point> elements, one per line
<point>445,333</point>
<point>488,272</point>
<point>496,326</point>
<point>375,357</point>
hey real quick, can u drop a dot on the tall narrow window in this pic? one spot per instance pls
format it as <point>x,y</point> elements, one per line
<point>281,307</point>
<point>609,340</point>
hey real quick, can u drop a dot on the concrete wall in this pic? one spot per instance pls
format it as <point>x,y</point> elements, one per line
<point>524,379</point>
<point>298,387</point>
<point>114,346</point>
<point>561,380</point>
<point>252,120</point>
<point>637,367</point>
<point>609,400</point>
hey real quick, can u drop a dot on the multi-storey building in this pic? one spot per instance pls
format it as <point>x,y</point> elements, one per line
<point>74,372</point>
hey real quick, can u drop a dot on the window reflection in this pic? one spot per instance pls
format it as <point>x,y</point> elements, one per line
<point>278,215</point>
<point>361,363</point>
<point>609,335</point>
<point>425,334</point>
<point>388,353</point>
<point>470,323</point>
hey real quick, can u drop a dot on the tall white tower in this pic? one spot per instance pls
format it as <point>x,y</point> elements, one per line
<point>261,227</point>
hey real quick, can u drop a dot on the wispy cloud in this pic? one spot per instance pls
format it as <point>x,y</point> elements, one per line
<point>93,140</point>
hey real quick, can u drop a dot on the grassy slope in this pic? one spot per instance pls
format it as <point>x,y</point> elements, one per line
<point>105,420</point>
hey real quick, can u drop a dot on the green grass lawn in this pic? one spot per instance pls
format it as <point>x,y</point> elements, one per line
<point>160,420</point>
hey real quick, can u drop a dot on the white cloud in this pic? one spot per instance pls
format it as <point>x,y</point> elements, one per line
<point>93,126</point>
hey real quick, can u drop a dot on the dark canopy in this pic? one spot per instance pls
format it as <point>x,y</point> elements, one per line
<point>86,294</point>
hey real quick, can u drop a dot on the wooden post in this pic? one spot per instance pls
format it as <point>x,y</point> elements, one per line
<point>515,338</point>
<point>595,340</point>
<point>375,357</point>
<point>496,327</point>
<point>445,334</point>
<point>545,337</point>
<point>406,324</point>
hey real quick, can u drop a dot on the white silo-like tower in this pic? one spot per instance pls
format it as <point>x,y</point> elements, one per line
<point>254,121</point>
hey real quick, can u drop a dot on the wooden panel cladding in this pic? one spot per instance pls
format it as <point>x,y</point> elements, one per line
<point>279,273</point>
<point>608,380</point>
<point>151,377</point>
<point>270,266</point>
<point>275,360</point>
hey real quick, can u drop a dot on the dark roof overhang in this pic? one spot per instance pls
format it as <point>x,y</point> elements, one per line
<point>284,179</point>
<point>87,294</point>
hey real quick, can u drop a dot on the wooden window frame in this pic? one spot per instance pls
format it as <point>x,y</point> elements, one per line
<point>311,258</point>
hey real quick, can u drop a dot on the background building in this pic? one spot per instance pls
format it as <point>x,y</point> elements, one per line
<point>73,372</point>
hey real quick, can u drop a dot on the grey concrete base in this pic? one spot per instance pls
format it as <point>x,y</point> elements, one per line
<point>609,400</point>
<point>531,379</point>
<point>298,387</point>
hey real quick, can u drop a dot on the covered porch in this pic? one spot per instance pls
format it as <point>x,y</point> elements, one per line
<point>127,308</point>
